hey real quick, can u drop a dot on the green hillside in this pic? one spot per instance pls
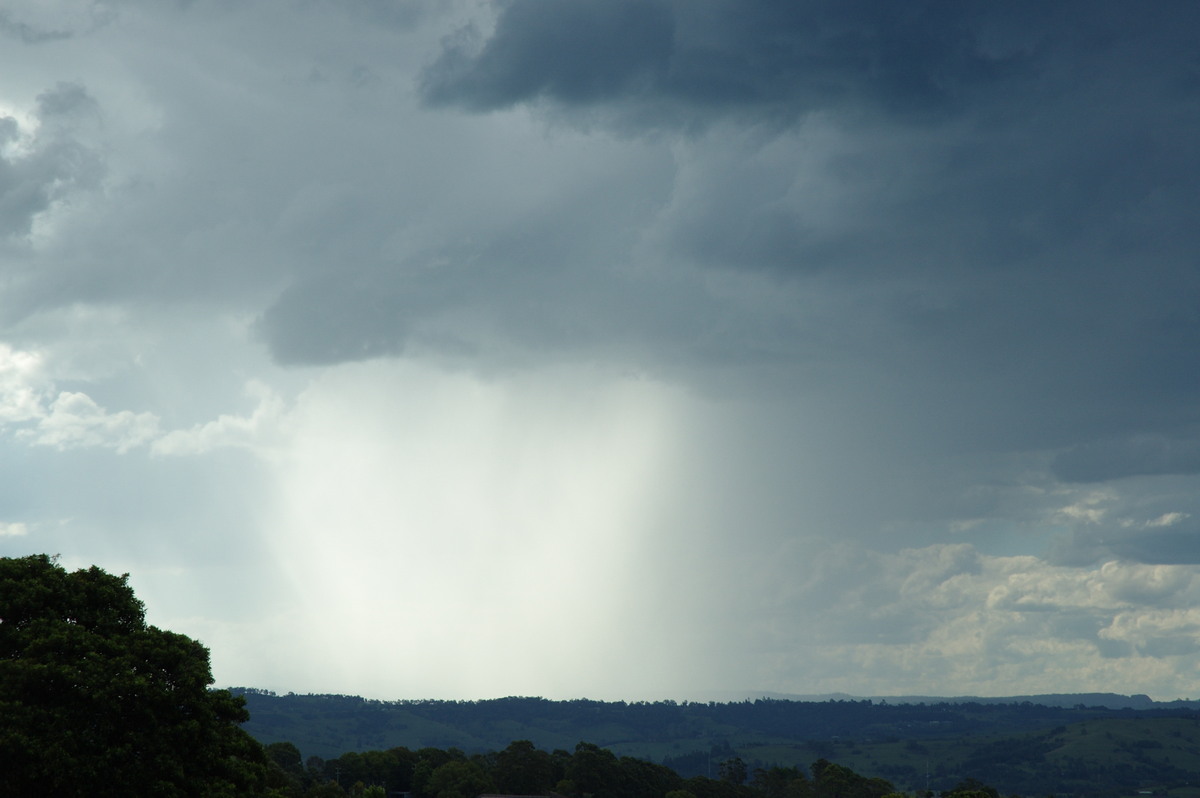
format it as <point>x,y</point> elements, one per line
<point>1111,756</point>
<point>1019,748</point>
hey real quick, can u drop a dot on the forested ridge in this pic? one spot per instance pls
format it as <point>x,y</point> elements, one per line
<point>484,723</point>
<point>1020,747</point>
<point>1056,763</point>
<point>586,771</point>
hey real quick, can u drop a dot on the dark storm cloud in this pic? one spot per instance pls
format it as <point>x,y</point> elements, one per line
<point>1001,197</point>
<point>571,52</point>
<point>978,221</point>
<point>1172,547</point>
<point>401,16</point>
<point>692,60</point>
<point>45,24</point>
<point>1171,539</point>
<point>1136,455</point>
<point>28,34</point>
<point>51,165</point>
<point>64,101</point>
<point>327,320</point>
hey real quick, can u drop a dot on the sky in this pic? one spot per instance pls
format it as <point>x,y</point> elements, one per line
<point>619,349</point>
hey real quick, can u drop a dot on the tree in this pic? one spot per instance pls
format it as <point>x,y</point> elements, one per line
<point>95,702</point>
<point>458,779</point>
<point>643,779</point>
<point>521,769</point>
<point>594,770</point>
<point>781,782</point>
<point>286,774</point>
<point>286,756</point>
<point>971,788</point>
<point>838,781</point>
<point>429,760</point>
<point>733,770</point>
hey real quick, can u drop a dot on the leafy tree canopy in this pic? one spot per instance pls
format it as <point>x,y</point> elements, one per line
<point>95,702</point>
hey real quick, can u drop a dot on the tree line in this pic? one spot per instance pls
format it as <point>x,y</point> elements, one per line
<point>551,724</point>
<point>521,769</point>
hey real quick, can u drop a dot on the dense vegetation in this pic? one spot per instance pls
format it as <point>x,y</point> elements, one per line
<point>588,770</point>
<point>330,724</point>
<point>1020,747</point>
<point>1103,756</point>
<point>94,702</point>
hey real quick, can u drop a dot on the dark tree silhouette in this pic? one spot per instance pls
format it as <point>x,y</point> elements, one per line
<point>95,702</point>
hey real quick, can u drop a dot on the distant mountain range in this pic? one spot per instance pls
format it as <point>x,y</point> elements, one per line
<point>1102,745</point>
<point>763,726</point>
<point>1109,700</point>
<point>1024,744</point>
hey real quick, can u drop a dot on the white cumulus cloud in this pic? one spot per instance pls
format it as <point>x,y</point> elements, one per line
<point>13,529</point>
<point>74,419</point>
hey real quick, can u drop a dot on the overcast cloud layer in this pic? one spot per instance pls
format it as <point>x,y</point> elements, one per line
<point>614,348</point>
